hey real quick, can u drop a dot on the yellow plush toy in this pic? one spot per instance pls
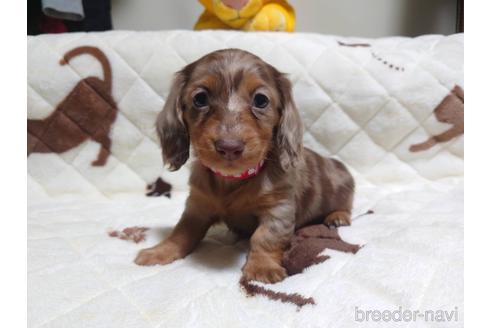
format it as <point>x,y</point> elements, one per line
<point>247,15</point>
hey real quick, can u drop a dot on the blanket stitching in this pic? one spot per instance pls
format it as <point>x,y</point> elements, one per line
<point>139,78</point>
<point>411,113</point>
<point>112,154</point>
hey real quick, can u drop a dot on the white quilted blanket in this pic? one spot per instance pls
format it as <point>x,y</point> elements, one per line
<point>364,101</point>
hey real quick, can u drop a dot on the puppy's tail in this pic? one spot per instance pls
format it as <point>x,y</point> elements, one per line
<point>98,54</point>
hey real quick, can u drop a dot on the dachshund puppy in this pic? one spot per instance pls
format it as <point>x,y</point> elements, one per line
<point>251,170</point>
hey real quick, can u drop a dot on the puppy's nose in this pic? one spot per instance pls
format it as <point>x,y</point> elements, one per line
<point>230,149</point>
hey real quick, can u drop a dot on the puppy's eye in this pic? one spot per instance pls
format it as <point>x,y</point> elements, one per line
<point>260,100</point>
<point>200,100</point>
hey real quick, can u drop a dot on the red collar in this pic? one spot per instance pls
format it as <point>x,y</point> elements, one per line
<point>242,176</point>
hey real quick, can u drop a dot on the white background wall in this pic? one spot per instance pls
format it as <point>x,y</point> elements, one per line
<point>369,18</point>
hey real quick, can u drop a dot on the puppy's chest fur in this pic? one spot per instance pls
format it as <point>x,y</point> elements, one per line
<point>315,188</point>
<point>237,203</point>
<point>238,208</point>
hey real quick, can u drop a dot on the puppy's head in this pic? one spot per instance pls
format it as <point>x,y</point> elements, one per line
<point>235,110</point>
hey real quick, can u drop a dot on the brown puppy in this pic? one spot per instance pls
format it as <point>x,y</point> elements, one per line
<point>252,171</point>
<point>87,112</point>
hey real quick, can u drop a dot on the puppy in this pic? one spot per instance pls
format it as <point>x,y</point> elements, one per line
<point>87,112</point>
<point>252,171</point>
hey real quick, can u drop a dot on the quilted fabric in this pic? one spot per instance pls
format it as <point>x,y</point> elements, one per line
<point>365,101</point>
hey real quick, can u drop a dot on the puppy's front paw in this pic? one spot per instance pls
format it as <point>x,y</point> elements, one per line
<point>160,254</point>
<point>268,272</point>
<point>338,218</point>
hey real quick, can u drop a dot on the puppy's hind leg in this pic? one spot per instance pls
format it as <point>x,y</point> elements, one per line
<point>338,218</point>
<point>103,155</point>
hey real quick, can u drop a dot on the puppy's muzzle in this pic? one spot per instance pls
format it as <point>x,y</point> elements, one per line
<point>229,149</point>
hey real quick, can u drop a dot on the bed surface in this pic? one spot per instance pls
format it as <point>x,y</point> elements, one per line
<point>372,103</point>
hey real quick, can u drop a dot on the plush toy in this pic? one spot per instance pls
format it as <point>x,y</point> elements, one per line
<point>247,15</point>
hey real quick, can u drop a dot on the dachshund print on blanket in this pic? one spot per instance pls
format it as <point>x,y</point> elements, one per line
<point>451,110</point>
<point>87,112</point>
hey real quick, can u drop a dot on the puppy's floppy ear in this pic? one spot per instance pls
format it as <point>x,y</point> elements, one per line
<point>290,128</point>
<point>172,131</point>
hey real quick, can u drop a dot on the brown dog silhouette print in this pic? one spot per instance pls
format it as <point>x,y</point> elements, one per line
<point>451,110</point>
<point>87,112</point>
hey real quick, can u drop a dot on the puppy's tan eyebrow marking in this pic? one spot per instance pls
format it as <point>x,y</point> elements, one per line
<point>209,81</point>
